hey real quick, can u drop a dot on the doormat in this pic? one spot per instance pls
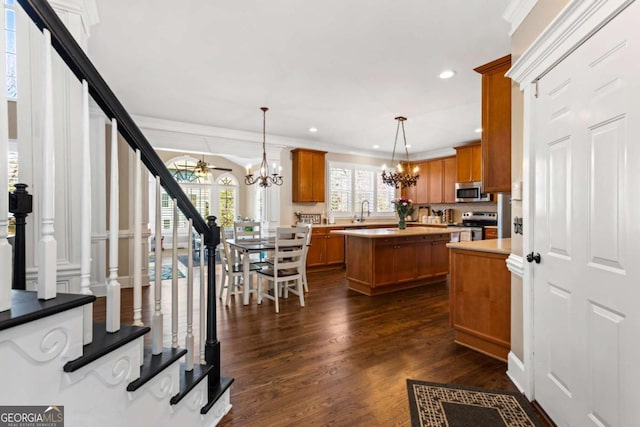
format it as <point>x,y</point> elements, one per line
<point>167,272</point>
<point>435,404</point>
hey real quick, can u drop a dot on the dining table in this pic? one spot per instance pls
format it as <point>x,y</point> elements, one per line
<point>244,248</point>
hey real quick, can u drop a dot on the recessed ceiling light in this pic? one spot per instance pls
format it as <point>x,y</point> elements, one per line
<point>447,74</point>
<point>479,130</point>
<point>376,146</point>
<point>313,129</point>
<point>408,145</point>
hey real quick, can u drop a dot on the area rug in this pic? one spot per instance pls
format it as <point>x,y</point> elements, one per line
<point>446,405</point>
<point>167,272</point>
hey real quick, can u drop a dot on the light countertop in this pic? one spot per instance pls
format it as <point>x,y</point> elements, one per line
<point>390,224</point>
<point>375,233</point>
<point>496,246</point>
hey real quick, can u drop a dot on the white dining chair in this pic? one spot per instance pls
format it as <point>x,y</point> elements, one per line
<point>232,272</point>
<point>246,230</point>
<point>304,261</point>
<point>285,275</point>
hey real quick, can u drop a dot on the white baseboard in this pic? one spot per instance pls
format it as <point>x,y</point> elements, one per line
<point>516,371</point>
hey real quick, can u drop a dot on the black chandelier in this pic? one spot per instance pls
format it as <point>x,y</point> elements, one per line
<point>396,176</point>
<point>265,179</point>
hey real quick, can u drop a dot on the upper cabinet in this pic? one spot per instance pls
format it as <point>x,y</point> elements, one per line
<point>469,163</point>
<point>441,180</point>
<point>436,183</point>
<point>449,175</point>
<point>496,126</point>
<point>308,175</point>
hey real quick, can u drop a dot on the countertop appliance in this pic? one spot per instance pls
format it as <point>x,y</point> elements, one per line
<point>473,223</point>
<point>471,192</point>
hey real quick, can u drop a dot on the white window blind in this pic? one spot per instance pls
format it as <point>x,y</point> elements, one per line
<point>351,184</point>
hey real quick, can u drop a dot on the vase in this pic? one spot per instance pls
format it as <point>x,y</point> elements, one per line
<point>402,223</point>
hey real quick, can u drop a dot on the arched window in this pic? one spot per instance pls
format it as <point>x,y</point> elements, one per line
<point>195,184</point>
<point>227,199</point>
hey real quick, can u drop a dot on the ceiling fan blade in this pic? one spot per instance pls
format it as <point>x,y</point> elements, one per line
<point>220,168</point>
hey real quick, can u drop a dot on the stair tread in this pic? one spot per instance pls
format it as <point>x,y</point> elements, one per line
<point>190,379</point>
<point>26,307</point>
<point>216,392</point>
<point>104,343</point>
<point>154,364</point>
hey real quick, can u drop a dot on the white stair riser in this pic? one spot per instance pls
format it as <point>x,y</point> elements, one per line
<point>32,357</point>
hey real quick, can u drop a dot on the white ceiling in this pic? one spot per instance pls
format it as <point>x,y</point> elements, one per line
<point>347,67</point>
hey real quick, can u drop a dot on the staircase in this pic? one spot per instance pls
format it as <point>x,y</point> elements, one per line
<point>51,351</point>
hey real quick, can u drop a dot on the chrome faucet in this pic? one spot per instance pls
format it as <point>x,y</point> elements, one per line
<point>362,210</point>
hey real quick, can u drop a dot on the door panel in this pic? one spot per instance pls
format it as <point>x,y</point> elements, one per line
<point>586,127</point>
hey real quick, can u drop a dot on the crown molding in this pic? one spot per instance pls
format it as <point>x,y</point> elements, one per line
<point>574,24</point>
<point>516,12</point>
<point>225,137</point>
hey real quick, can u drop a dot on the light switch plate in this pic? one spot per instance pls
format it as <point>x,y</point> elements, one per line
<point>516,190</point>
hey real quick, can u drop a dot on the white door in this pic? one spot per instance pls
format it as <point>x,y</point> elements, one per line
<point>586,134</point>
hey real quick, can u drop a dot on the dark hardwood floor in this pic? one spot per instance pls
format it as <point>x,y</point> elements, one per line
<point>342,360</point>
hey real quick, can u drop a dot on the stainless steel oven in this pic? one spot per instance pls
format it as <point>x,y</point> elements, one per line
<point>471,192</point>
<point>472,225</point>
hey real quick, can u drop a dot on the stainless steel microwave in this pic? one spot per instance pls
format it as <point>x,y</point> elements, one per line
<point>471,192</point>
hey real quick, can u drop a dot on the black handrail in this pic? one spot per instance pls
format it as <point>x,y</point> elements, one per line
<point>79,63</point>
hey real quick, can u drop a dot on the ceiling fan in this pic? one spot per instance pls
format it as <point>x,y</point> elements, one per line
<point>187,171</point>
<point>204,167</point>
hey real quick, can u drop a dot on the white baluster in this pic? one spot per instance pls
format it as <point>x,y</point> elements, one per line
<point>137,243</point>
<point>174,278</point>
<point>188,362</point>
<point>85,227</point>
<point>156,342</point>
<point>203,301</point>
<point>113,286</point>
<point>48,245</point>
<point>6,266</point>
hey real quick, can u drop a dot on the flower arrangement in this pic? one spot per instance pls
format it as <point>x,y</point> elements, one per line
<point>404,207</point>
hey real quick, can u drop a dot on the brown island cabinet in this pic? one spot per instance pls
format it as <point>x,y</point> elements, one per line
<point>385,260</point>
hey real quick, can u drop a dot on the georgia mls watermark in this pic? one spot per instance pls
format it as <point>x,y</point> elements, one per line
<point>31,416</point>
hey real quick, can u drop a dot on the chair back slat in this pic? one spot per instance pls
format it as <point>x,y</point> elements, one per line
<point>246,230</point>
<point>290,244</point>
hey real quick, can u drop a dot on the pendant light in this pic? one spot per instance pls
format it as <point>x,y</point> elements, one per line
<point>400,176</point>
<point>265,178</point>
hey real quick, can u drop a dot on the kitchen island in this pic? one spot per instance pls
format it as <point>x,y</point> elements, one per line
<point>385,260</point>
<point>480,295</point>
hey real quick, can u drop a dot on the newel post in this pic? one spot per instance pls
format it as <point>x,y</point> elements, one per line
<point>212,346</point>
<point>20,205</point>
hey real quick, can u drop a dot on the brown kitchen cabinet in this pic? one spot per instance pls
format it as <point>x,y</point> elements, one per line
<point>394,261</point>
<point>469,163</point>
<point>432,256</point>
<point>307,182</point>
<point>411,192</point>
<point>490,233</point>
<point>480,301</point>
<point>449,180</point>
<point>496,126</point>
<point>326,250</point>
<point>436,183</point>
<point>433,181</point>
<point>441,179</point>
